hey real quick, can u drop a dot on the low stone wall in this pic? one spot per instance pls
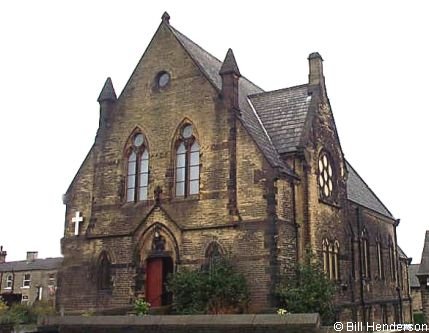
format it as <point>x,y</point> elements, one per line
<point>268,323</point>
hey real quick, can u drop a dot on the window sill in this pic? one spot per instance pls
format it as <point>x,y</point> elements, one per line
<point>133,204</point>
<point>329,203</point>
<point>25,287</point>
<point>193,197</point>
<point>7,288</point>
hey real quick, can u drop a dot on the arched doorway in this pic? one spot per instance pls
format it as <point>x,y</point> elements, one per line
<point>158,256</point>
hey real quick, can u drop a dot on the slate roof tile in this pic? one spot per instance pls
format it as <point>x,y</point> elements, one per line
<point>283,113</point>
<point>412,272</point>
<point>359,192</point>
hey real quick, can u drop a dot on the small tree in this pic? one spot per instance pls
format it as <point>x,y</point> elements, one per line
<point>309,290</point>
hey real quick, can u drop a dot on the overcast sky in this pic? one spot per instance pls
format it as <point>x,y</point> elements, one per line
<point>56,55</point>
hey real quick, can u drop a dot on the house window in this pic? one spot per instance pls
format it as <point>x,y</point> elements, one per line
<point>325,176</point>
<point>365,255</point>
<point>137,169</point>
<point>24,299</point>
<point>187,163</point>
<point>26,281</point>
<point>380,261</point>
<point>51,279</point>
<point>104,272</point>
<point>9,281</point>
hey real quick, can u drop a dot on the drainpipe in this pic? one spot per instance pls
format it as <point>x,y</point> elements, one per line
<point>398,287</point>
<point>359,222</point>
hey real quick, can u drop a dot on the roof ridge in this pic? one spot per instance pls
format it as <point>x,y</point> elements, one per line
<point>369,188</point>
<point>279,90</point>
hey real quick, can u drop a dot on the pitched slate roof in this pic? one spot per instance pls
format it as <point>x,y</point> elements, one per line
<point>283,113</point>
<point>412,272</point>
<point>211,66</point>
<point>38,264</point>
<point>275,120</point>
<point>359,192</point>
<point>424,263</point>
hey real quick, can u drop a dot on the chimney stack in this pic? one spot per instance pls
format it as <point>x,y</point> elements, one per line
<point>31,256</point>
<point>2,255</point>
<point>315,76</point>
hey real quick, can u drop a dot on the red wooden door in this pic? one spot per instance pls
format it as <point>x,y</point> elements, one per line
<point>154,281</point>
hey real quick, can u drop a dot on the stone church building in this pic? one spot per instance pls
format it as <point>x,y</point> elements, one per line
<point>193,160</point>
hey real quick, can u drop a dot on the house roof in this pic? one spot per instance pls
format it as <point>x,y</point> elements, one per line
<point>211,67</point>
<point>359,192</point>
<point>38,264</point>
<point>424,263</point>
<point>412,272</point>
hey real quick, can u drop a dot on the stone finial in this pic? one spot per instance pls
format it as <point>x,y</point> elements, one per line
<point>165,18</point>
<point>229,65</point>
<point>315,76</point>
<point>108,92</point>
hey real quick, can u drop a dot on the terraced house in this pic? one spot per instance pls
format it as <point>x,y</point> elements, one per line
<point>30,280</point>
<point>193,160</point>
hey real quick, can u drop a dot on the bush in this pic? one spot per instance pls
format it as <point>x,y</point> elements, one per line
<point>141,307</point>
<point>3,307</point>
<point>419,318</point>
<point>20,313</point>
<point>309,290</point>
<point>216,290</point>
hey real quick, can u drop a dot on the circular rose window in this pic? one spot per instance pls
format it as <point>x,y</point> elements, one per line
<point>325,176</point>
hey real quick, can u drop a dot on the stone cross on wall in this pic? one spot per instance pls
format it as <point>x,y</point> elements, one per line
<point>77,220</point>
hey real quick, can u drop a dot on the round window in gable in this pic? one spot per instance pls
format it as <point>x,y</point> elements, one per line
<point>162,79</point>
<point>325,177</point>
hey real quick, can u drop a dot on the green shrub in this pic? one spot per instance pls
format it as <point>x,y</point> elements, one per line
<point>419,318</point>
<point>216,290</point>
<point>141,307</point>
<point>21,313</point>
<point>309,290</point>
<point>3,307</point>
<point>188,294</point>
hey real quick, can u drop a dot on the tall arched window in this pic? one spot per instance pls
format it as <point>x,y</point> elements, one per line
<point>213,255</point>
<point>336,261</point>
<point>325,245</point>
<point>392,264</point>
<point>380,265</point>
<point>187,163</point>
<point>137,169</point>
<point>104,275</point>
<point>365,255</point>
<point>330,252</point>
